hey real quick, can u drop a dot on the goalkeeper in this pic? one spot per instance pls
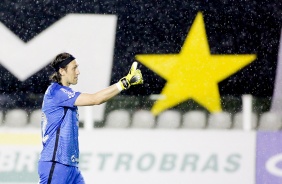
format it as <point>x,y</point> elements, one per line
<point>59,157</point>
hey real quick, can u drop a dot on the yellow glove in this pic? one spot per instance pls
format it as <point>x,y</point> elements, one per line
<point>134,77</point>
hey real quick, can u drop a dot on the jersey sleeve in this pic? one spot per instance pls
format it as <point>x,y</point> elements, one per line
<point>65,97</point>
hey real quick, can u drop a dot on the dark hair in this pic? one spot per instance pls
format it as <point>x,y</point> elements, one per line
<point>56,76</point>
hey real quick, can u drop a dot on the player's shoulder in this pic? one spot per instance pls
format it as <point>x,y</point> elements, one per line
<point>67,91</point>
<point>60,91</point>
<point>52,88</point>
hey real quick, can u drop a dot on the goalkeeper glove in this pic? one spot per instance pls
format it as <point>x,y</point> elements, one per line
<point>134,77</point>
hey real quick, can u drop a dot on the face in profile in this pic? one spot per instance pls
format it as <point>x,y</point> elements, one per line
<point>71,74</point>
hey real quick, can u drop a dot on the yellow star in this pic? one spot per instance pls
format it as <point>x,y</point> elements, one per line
<point>193,73</point>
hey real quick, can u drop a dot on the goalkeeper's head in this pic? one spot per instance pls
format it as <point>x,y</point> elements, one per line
<point>66,69</point>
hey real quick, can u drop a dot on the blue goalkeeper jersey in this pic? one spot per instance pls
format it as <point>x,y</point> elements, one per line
<point>59,125</point>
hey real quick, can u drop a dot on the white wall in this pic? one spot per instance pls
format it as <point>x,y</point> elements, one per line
<point>141,156</point>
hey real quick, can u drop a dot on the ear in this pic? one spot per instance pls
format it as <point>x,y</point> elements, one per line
<point>62,71</point>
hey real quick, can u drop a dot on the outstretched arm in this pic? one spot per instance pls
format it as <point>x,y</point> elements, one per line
<point>100,97</point>
<point>134,77</point>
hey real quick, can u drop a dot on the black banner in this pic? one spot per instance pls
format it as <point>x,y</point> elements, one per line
<point>158,27</point>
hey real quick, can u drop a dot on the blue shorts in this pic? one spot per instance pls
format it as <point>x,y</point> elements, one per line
<point>56,173</point>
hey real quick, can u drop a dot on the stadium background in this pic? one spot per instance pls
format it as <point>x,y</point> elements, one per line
<point>155,27</point>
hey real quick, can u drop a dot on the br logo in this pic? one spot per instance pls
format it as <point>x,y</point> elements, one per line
<point>272,165</point>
